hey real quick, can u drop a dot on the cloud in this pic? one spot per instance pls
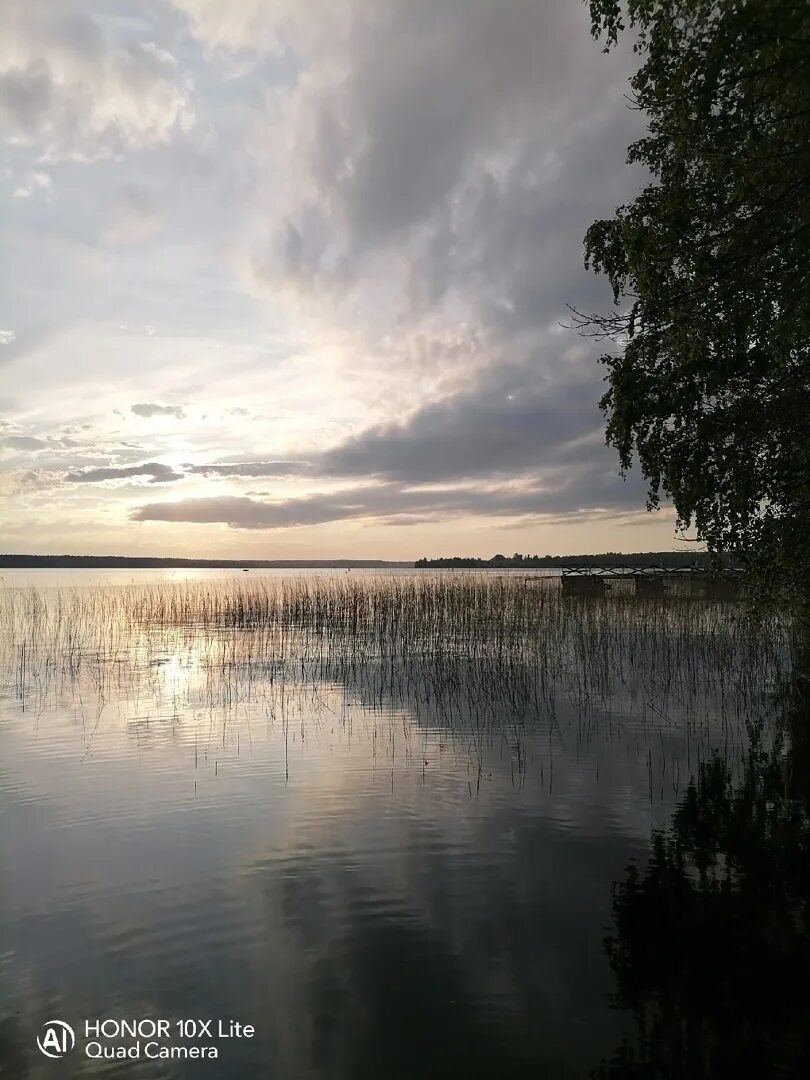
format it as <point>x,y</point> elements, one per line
<point>441,164</point>
<point>442,159</point>
<point>136,218</point>
<point>34,181</point>
<point>245,513</point>
<point>7,337</point>
<point>27,481</point>
<point>251,468</point>
<point>25,442</point>
<point>249,25</point>
<point>148,409</point>
<point>70,91</point>
<point>158,473</point>
<point>580,493</point>
<point>403,187</point>
<point>512,419</point>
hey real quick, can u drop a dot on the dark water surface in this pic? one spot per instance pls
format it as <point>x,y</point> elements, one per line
<point>379,830</point>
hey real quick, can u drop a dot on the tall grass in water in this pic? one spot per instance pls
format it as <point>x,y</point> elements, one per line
<point>473,648</point>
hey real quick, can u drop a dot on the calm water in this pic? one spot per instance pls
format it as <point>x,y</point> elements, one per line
<point>391,858</point>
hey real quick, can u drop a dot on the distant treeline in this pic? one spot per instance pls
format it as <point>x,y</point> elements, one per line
<point>111,562</point>
<point>668,559</point>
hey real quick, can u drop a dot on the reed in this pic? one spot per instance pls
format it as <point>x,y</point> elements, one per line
<point>480,652</point>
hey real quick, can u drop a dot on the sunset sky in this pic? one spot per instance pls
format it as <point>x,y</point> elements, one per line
<point>286,279</point>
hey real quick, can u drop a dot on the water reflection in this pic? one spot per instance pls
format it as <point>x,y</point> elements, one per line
<point>711,945</point>
<point>376,820</point>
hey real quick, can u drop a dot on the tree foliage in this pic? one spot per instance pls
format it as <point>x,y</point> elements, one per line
<point>709,379</point>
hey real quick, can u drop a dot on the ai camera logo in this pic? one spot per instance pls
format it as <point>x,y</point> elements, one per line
<point>57,1039</point>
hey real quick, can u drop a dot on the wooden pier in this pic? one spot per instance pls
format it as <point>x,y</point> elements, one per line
<point>652,581</point>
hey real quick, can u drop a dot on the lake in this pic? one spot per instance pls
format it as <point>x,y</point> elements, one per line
<point>376,817</point>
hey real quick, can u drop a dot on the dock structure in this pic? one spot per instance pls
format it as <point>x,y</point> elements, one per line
<point>652,581</point>
<point>583,585</point>
<point>649,585</point>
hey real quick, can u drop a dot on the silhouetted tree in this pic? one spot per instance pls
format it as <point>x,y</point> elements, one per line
<point>710,386</point>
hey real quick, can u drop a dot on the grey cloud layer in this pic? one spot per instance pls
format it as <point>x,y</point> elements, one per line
<point>509,424</point>
<point>456,457</point>
<point>148,409</point>
<point>157,473</point>
<point>452,154</point>
<point>513,420</point>
<point>391,504</point>
<point>25,442</point>
<point>160,473</point>
<point>250,468</point>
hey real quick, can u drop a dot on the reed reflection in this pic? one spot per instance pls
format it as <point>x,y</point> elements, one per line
<point>373,817</point>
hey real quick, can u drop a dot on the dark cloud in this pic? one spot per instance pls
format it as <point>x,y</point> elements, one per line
<point>35,443</point>
<point>246,513</point>
<point>157,473</point>
<point>250,468</point>
<point>514,419</point>
<point>146,408</point>
<point>25,97</point>
<point>518,441</point>
<point>579,492</point>
<point>455,153</point>
<point>430,88</point>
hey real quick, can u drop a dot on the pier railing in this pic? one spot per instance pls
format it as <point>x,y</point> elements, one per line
<point>652,581</point>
